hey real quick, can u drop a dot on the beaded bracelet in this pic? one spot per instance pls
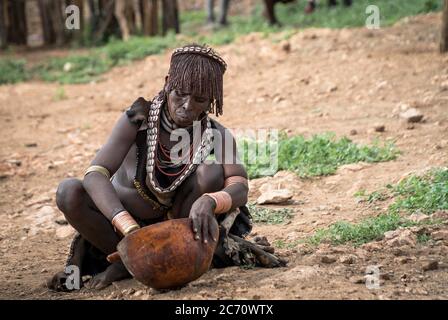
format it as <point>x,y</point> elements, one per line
<point>124,223</point>
<point>222,199</point>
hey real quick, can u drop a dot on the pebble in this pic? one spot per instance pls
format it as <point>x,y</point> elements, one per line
<point>327,259</point>
<point>65,232</point>
<point>348,259</point>
<point>430,265</point>
<point>379,127</point>
<point>440,235</point>
<point>277,196</point>
<point>31,145</point>
<point>412,115</point>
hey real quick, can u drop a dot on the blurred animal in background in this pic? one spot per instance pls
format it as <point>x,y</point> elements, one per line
<point>311,6</point>
<point>223,10</point>
<point>124,10</point>
<point>269,11</point>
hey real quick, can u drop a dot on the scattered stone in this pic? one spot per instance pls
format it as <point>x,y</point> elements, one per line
<point>440,215</point>
<point>286,46</point>
<point>400,237</point>
<point>357,280</point>
<point>328,259</point>
<point>379,127</point>
<point>348,259</point>
<point>412,115</point>
<point>386,276</point>
<point>131,291</point>
<point>44,270</point>
<point>64,232</point>
<point>440,235</point>
<point>31,145</point>
<point>332,88</point>
<point>18,163</point>
<point>275,196</point>
<point>372,246</point>
<point>405,260</point>
<point>277,99</point>
<point>61,222</point>
<point>431,265</point>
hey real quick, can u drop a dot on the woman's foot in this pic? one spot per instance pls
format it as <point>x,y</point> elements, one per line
<point>115,272</point>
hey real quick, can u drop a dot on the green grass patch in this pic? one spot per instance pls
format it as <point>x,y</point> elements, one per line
<point>282,244</point>
<point>423,238</point>
<point>12,71</point>
<point>359,233</point>
<point>269,215</point>
<point>320,155</point>
<point>73,69</point>
<point>89,67</point>
<point>426,194</point>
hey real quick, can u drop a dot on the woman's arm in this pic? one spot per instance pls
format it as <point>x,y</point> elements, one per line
<point>111,156</point>
<point>234,193</point>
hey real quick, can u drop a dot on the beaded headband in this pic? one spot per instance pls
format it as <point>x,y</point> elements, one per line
<point>205,51</point>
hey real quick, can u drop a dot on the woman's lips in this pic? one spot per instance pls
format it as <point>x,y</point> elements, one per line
<point>182,116</point>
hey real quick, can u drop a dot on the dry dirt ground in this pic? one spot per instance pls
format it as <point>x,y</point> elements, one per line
<point>329,80</point>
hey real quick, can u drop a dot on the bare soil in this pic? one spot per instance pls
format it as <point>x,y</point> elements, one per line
<point>330,80</point>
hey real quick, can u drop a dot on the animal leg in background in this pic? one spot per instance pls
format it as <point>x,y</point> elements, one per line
<point>120,14</point>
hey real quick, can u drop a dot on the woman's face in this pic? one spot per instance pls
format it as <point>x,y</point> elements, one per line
<point>184,107</point>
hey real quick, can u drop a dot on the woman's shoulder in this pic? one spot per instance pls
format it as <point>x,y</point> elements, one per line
<point>138,112</point>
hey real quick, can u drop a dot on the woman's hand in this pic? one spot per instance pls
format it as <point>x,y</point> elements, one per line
<point>204,222</point>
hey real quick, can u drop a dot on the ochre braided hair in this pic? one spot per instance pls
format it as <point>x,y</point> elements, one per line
<point>198,70</point>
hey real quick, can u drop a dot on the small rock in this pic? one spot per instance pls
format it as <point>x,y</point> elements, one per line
<point>400,237</point>
<point>379,127</point>
<point>348,259</point>
<point>277,99</point>
<point>286,46</point>
<point>353,132</point>
<point>440,235</point>
<point>357,280</point>
<point>332,88</point>
<point>372,246</point>
<point>441,215</point>
<point>64,232</point>
<point>61,222</point>
<point>430,265</point>
<point>328,259</point>
<point>31,145</point>
<point>386,276</point>
<point>412,115</point>
<point>44,270</point>
<point>405,260</point>
<point>18,163</point>
<point>276,196</point>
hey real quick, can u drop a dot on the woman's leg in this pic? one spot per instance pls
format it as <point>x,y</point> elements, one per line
<point>80,211</point>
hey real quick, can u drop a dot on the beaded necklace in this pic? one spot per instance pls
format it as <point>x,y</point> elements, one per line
<point>153,144</point>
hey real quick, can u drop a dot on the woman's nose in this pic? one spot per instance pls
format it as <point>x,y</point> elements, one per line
<point>187,103</point>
